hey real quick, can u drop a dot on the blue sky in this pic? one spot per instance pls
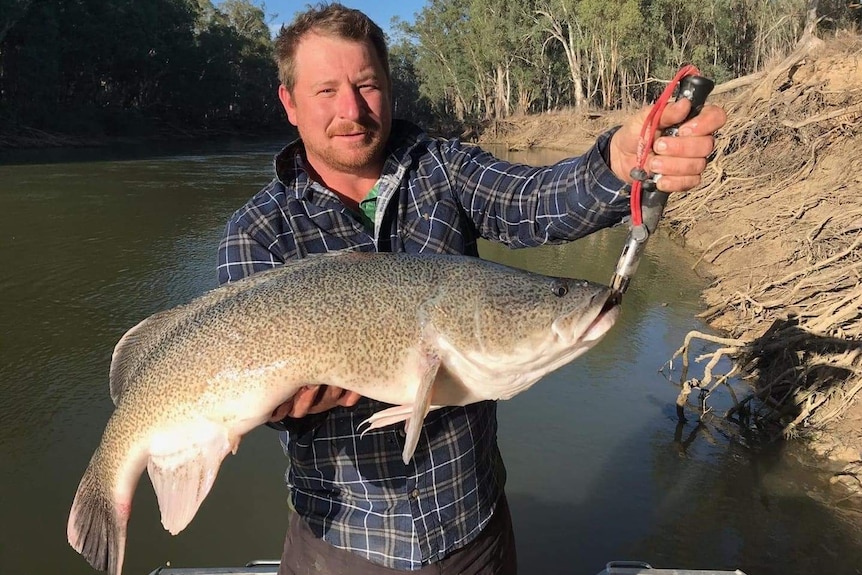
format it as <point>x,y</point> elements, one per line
<point>381,11</point>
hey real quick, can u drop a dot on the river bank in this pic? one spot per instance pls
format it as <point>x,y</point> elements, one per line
<point>26,138</point>
<point>777,224</point>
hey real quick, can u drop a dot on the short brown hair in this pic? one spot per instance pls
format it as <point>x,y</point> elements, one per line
<point>329,20</point>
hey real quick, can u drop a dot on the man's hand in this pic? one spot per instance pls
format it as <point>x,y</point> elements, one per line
<point>679,159</point>
<point>314,399</point>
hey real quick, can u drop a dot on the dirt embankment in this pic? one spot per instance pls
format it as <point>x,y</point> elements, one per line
<point>778,225</point>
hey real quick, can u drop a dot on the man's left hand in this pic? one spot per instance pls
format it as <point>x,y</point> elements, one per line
<point>679,159</point>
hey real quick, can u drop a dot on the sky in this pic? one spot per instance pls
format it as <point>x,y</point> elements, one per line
<point>381,11</point>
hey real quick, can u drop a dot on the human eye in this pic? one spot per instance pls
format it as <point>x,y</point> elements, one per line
<point>368,85</point>
<point>324,90</point>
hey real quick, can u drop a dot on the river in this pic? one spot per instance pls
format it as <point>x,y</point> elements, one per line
<point>598,468</point>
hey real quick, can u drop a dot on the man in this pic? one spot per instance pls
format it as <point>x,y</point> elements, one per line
<point>356,179</point>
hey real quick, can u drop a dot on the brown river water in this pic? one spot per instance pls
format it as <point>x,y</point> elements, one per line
<point>598,468</point>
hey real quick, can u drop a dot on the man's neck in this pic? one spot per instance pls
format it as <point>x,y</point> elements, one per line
<point>351,188</point>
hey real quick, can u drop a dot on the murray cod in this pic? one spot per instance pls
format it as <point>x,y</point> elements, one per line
<point>418,332</point>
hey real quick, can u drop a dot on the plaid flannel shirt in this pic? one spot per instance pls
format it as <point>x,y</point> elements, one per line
<point>435,196</point>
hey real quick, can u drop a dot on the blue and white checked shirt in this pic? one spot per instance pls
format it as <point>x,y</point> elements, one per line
<point>435,196</point>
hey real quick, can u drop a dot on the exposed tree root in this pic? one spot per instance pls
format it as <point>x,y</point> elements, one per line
<point>705,384</point>
<point>779,221</point>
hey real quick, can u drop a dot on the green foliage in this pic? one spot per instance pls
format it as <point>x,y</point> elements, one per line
<point>126,67</point>
<point>484,59</point>
<point>407,99</point>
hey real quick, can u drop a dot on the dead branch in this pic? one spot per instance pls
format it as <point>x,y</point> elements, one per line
<point>740,82</point>
<point>823,117</point>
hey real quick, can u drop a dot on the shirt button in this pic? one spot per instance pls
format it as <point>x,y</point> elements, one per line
<point>414,494</point>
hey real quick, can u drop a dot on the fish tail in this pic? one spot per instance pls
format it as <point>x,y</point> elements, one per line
<point>97,524</point>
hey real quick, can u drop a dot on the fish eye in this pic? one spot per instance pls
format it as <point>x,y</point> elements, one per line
<point>560,289</point>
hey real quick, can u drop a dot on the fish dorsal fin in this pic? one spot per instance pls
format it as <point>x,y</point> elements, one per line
<point>182,471</point>
<point>146,335</point>
<point>135,343</point>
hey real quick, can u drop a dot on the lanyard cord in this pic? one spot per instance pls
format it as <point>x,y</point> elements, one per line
<point>647,138</point>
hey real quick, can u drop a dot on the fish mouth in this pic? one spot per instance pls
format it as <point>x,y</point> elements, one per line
<point>604,319</point>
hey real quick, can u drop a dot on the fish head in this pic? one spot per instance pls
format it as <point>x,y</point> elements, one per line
<point>526,325</point>
<point>587,312</point>
<point>538,314</point>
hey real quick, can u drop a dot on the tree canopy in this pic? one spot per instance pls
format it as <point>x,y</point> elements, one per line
<point>123,67</point>
<point>117,67</point>
<point>482,59</point>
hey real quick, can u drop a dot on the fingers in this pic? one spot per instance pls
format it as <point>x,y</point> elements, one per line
<point>676,172</point>
<point>328,399</point>
<point>349,399</point>
<point>692,147</point>
<point>298,405</point>
<point>710,119</point>
<point>677,162</point>
<point>304,400</point>
<point>674,113</point>
<point>676,183</point>
<point>333,397</point>
<point>314,399</point>
<point>281,411</point>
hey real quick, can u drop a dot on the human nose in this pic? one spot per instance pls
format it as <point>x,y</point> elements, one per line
<point>351,104</point>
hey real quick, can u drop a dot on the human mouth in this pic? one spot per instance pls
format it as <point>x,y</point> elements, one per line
<point>352,132</point>
<point>351,135</point>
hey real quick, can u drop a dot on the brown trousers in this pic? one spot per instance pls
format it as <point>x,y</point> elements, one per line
<point>491,553</point>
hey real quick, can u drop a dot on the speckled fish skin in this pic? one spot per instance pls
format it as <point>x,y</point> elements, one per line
<point>189,382</point>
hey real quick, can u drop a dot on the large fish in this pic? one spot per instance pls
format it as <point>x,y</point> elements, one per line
<point>417,332</point>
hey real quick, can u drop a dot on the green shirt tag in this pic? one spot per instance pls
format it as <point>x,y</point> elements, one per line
<point>367,208</point>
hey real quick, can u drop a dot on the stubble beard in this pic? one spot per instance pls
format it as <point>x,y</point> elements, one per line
<point>355,158</point>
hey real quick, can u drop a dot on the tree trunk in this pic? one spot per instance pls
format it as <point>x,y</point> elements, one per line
<point>811,20</point>
<point>564,33</point>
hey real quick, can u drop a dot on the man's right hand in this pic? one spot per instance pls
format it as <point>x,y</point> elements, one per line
<point>314,399</point>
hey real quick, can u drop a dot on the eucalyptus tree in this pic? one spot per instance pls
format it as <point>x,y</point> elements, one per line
<point>440,31</point>
<point>504,54</point>
<point>558,20</point>
<point>615,37</point>
<point>408,102</point>
<point>535,69</point>
<point>727,38</point>
<point>127,67</point>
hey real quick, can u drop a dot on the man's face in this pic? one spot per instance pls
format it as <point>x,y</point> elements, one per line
<point>340,103</point>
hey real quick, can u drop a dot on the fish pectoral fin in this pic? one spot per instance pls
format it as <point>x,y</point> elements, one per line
<point>421,406</point>
<point>183,476</point>
<point>390,416</point>
<point>386,417</point>
<point>414,413</point>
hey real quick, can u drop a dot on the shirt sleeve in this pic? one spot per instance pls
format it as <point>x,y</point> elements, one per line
<point>523,206</point>
<point>246,246</point>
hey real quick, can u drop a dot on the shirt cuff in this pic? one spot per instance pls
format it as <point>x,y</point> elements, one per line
<point>606,187</point>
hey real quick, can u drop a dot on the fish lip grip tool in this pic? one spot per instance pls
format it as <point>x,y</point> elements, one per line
<point>647,201</point>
